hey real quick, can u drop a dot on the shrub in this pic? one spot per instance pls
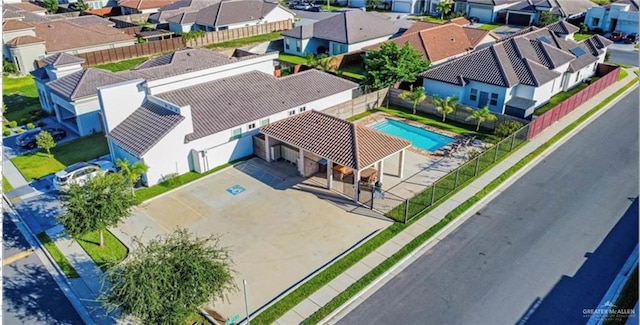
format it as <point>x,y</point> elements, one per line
<point>24,121</point>
<point>584,28</point>
<point>18,131</point>
<point>9,67</point>
<point>507,128</point>
<point>6,132</point>
<point>30,126</point>
<point>13,124</point>
<point>173,180</point>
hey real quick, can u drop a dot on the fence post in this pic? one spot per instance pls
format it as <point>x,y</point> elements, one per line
<point>455,184</point>
<point>495,155</point>
<point>433,193</point>
<point>406,210</point>
<point>477,165</point>
<point>513,139</point>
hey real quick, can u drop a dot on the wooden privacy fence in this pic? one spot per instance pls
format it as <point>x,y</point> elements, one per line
<point>237,33</point>
<point>358,104</point>
<point>568,105</point>
<point>459,114</point>
<point>132,51</point>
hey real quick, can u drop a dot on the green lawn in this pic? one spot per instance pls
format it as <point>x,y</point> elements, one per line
<point>39,164</point>
<point>293,59</point>
<point>121,65</point>
<point>21,97</point>
<point>355,71</point>
<point>58,257</point>
<point>490,26</point>
<point>434,20</point>
<point>112,253</point>
<point>6,186</point>
<point>623,74</point>
<point>559,98</point>
<point>245,41</point>
<point>579,36</point>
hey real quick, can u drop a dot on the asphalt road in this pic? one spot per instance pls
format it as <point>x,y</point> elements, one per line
<point>624,57</point>
<point>546,248</point>
<point>30,295</point>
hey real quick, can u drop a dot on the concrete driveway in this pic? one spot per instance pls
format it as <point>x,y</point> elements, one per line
<point>278,234</point>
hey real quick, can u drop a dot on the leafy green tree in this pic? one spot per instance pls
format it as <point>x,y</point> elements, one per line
<point>51,5</point>
<point>164,281</point>
<point>481,115</point>
<point>444,8</point>
<point>415,97</point>
<point>390,65</point>
<point>133,172</point>
<point>372,4</point>
<point>45,141</point>
<point>546,18</point>
<point>103,201</point>
<point>445,106</point>
<point>80,6</point>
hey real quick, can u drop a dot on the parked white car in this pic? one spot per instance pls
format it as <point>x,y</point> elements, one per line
<point>80,173</point>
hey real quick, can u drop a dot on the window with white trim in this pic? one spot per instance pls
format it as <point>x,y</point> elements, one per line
<point>292,112</point>
<point>303,108</point>
<point>286,43</point>
<point>298,46</point>
<point>264,122</point>
<point>494,99</point>
<point>473,95</point>
<point>251,126</point>
<point>236,133</point>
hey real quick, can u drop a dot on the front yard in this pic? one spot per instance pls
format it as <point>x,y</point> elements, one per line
<point>39,164</point>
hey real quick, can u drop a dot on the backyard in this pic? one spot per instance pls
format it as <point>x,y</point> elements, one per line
<point>121,65</point>
<point>39,164</point>
<point>246,41</point>
<point>21,97</point>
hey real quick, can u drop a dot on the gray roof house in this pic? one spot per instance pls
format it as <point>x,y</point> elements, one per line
<point>520,73</point>
<point>208,124</point>
<point>345,32</point>
<point>522,12</point>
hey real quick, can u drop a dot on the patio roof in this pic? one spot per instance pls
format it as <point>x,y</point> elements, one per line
<point>340,141</point>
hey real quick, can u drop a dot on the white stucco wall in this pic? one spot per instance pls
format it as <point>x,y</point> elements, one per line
<point>277,14</point>
<point>9,35</point>
<point>97,47</point>
<point>25,56</point>
<point>118,101</point>
<point>61,71</point>
<point>263,63</point>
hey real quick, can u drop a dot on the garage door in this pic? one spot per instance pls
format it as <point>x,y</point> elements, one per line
<point>485,15</point>
<point>518,19</point>
<point>401,6</point>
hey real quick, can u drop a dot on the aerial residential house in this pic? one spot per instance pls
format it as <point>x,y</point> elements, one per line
<point>519,74</point>
<point>208,124</point>
<point>130,7</point>
<point>225,15</point>
<point>620,15</point>
<point>439,43</point>
<point>345,32</point>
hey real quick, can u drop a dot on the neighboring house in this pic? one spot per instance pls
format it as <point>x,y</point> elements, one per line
<point>130,7</point>
<point>28,38</point>
<point>439,43</point>
<point>226,15</point>
<point>619,15</point>
<point>345,32</point>
<point>519,74</point>
<point>207,124</point>
<point>69,91</point>
<point>526,13</point>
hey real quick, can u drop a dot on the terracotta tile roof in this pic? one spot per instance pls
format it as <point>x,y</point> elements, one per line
<point>527,59</point>
<point>340,141</point>
<point>476,35</point>
<point>78,36</point>
<point>226,103</point>
<point>419,26</point>
<point>105,12</point>
<point>144,4</point>
<point>10,25</point>
<point>137,140</point>
<point>460,21</point>
<point>61,59</point>
<point>23,40</point>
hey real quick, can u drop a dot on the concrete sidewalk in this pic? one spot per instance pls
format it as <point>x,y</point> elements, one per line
<point>325,294</point>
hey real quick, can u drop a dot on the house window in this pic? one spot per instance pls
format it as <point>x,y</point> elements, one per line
<point>286,43</point>
<point>595,22</point>
<point>473,96</point>
<point>577,76</point>
<point>18,64</point>
<point>298,45</point>
<point>236,133</point>
<point>335,48</point>
<point>292,112</point>
<point>251,126</point>
<point>343,48</point>
<point>303,108</point>
<point>264,122</point>
<point>494,99</point>
<point>223,28</point>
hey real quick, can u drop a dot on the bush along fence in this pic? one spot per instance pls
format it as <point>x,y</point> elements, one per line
<point>237,33</point>
<point>440,189</point>
<point>568,105</point>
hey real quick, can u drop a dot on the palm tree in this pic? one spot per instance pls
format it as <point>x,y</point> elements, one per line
<point>481,115</point>
<point>311,60</point>
<point>415,96</point>
<point>325,64</point>
<point>132,172</point>
<point>444,7</point>
<point>445,106</point>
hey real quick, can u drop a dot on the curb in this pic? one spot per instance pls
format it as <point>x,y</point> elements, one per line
<point>351,303</point>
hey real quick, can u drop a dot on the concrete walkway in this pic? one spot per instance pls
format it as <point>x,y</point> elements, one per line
<point>325,294</point>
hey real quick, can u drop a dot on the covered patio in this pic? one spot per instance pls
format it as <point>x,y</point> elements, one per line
<point>320,143</point>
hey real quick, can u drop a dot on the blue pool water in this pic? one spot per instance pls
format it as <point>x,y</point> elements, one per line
<point>420,138</point>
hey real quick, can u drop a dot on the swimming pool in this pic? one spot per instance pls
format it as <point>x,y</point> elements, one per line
<point>420,138</point>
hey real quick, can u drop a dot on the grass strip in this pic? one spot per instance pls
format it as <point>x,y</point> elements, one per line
<point>627,300</point>
<point>121,65</point>
<point>113,251</point>
<point>6,186</point>
<point>623,74</point>
<point>490,26</point>
<point>245,41</point>
<point>57,256</point>
<point>384,266</point>
<point>559,98</point>
<point>147,193</point>
<point>293,59</point>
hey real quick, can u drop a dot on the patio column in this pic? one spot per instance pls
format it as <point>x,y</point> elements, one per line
<point>56,109</point>
<point>329,174</point>
<point>266,148</point>
<point>380,170</point>
<point>356,185</point>
<point>301,163</point>
<point>401,164</point>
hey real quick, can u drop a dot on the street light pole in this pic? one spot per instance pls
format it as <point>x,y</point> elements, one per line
<point>246,304</point>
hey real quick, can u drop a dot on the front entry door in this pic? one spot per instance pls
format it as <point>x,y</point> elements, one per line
<point>484,99</point>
